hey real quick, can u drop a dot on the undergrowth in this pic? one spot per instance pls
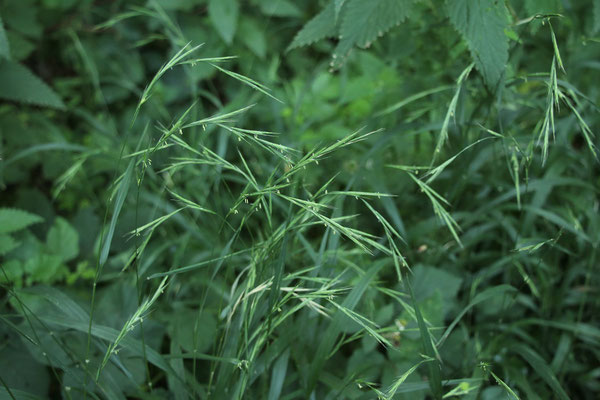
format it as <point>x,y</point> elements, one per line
<point>406,209</point>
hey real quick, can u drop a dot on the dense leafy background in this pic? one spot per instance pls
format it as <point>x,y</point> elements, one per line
<point>387,198</point>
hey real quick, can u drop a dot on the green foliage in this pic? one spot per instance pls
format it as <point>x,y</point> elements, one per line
<point>365,21</point>
<point>7,243</point>
<point>19,84</point>
<point>224,16</point>
<point>543,6</point>
<point>12,220</point>
<point>321,26</point>
<point>4,46</point>
<point>63,240</point>
<point>483,26</point>
<point>289,200</point>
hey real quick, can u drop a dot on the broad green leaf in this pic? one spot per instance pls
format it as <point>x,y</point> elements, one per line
<point>542,6</point>
<point>21,370</point>
<point>12,271</point>
<point>596,15</point>
<point>338,7</point>
<point>482,24</point>
<point>320,27</point>
<point>279,8</point>
<point>181,329</point>
<point>44,268</point>
<point>20,46</point>
<point>4,46</point>
<point>15,394</point>
<point>7,243</point>
<point>63,240</point>
<point>22,16</point>
<point>364,21</point>
<point>224,17</point>
<point>494,291</point>
<point>253,36</point>
<point>18,84</point>
<point>12,220</point>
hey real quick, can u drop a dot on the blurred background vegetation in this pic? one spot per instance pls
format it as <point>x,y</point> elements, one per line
<point>481,271</point>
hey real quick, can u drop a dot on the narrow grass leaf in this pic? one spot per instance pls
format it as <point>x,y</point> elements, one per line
<point>541,368</point>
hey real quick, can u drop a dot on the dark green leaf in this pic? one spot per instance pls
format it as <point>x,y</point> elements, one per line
<point>541,368</point>
<point>4,46</point>
<point>224,17</point>
<point>18,84</point>
<point>319,27</point>
<point>279,8</point>
<point>364,21</point>
<point>482,24</point>
<point>63,240</point>
<point>12,220</point>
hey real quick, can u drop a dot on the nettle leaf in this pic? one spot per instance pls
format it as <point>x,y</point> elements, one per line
<point>338,7</point>
<point>482,24</point>
<point>224,16</point>
<point>364,21</point>
<point>63,240</point>
<point>45,268</point>
<point>12,220</point>
<point>4,47</point>
<point>17,83</point>
<point>320,27</point>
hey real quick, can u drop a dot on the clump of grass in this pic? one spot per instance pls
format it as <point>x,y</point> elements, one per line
<point>291,275</point>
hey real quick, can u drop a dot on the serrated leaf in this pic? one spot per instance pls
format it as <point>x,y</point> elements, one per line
<point>482,24</point>
<point>4,47</point>
<point>364,21</point>
<point>320,27</point>
<point>338,7</point>
<point>63,240</point>
<point>224,17</point>
<point>17,83</point>
<point>44,268</point>
<point>12,220</point>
